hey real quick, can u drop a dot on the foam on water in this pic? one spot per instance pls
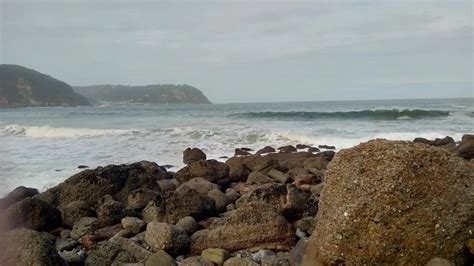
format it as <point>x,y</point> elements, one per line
<point>42,147</point>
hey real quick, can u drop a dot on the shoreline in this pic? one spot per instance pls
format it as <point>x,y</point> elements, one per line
<point>257,207</point>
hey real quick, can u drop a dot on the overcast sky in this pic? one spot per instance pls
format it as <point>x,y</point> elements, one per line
<point>250,51</point>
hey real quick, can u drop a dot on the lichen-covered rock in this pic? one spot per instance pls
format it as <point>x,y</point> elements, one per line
<point>103,253</point>
<point>160,258</point>
<point>24,246</point>
<point>74,211</point>
<point>236,261</point>
<point>167,237</point>
<point>188,224</point>
<point>211,170</point>
<point>34,214</point>
<point>393,202</point>
<point>110,213</point>
<point>287,199</point>
<point>83,226</point>
<point>220,199</point>
<point>178,204</point>
<point>193,155</point>
<point>201,185</point>
<point>117,180</point>
<point>139,198</point>
<point>253,226</point>
<point>133,224</point>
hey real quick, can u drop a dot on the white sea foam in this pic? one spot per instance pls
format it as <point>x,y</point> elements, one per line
<point>57,132</point>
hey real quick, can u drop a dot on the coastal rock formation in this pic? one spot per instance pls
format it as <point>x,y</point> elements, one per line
<point>28,247</point>
<point>253,226</point>
<point>392,202</point>
<point>116,180</point>
<point>211,170</point>
<point>150,94</point>
<point>22,87</point>
<point>34,214</point>
<point>466,147</point>
<point>193,155</point>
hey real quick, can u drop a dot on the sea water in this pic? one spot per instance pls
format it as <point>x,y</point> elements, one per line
<point>41,147</point>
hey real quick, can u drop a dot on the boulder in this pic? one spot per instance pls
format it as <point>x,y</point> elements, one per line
<point>210,170</point>
<point>292,160</point>
<point>16,195</point>
<point>167,237</point>
<point>393,202</point>
<point>262,164</point>
<point>193,155</point>
<point>466,147</point>
<point>201,185</point>
<point>196,261</point>
<point>266,149</point>
<point>178,204</point>
<point>278,176</point>
<point>215,255</point>
<point>287,199</point>
<point>188,224</point>
<point>34,214</point>
<point>133,224</point>
<point>327,147</point>
<point>240,152</point>
<point>117,180</point>
<point>237,169</point>
<point>257,178</point>
<point>83,226</point>
<point>24,246</point>
<point>302,146</point>
<point>168,184</point>
<point>74,211</point>
<point>236,261</point>
<point>220,199</point>
<point>110,213</point>
<point>253,226</point>
<point>103,253</point>
<point>287,148</point>
<point>132,248</point>
<point>160,258</point>
<point>316,162</point>
<point>139,198</point>
<point>313,149</point>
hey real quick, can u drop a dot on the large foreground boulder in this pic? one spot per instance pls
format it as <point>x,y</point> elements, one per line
<point>117,180</point>
<point>34,214</point>
<point>254,226</point>
<point>28,247</point>
<point>392,202</point>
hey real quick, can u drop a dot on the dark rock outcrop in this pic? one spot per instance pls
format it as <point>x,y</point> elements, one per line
<point>393,202</point>
<point>193,155</point>
<point>117,180</point>
<point>16,195</point>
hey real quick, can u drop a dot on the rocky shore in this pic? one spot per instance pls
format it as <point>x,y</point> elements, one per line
<point>381,202</point>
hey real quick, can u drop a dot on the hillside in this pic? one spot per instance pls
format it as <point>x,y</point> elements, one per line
<point>151,94</point>
<point>23,87</point>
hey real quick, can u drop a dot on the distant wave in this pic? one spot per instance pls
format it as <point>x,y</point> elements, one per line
<point>57,132</point>
<point>381,114</point>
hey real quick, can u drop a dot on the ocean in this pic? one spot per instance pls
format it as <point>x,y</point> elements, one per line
<point>41,147</point>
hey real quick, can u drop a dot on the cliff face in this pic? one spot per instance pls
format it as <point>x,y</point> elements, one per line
<point>152,94</point>
<point>22,87</point>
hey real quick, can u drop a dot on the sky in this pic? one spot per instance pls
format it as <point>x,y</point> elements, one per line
<point>250,51</point>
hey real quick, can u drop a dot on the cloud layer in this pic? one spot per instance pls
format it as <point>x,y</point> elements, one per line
<point>250,50</point>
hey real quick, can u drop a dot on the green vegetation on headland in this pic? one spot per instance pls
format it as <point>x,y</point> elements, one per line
<point>22,87</point>
<point>150,94</point>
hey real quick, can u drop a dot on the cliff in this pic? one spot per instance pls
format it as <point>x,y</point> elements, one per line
<point>23,87</point>
<point>150,94</point>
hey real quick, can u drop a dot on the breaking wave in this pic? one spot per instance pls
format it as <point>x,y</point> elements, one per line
<point>381,114</point>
